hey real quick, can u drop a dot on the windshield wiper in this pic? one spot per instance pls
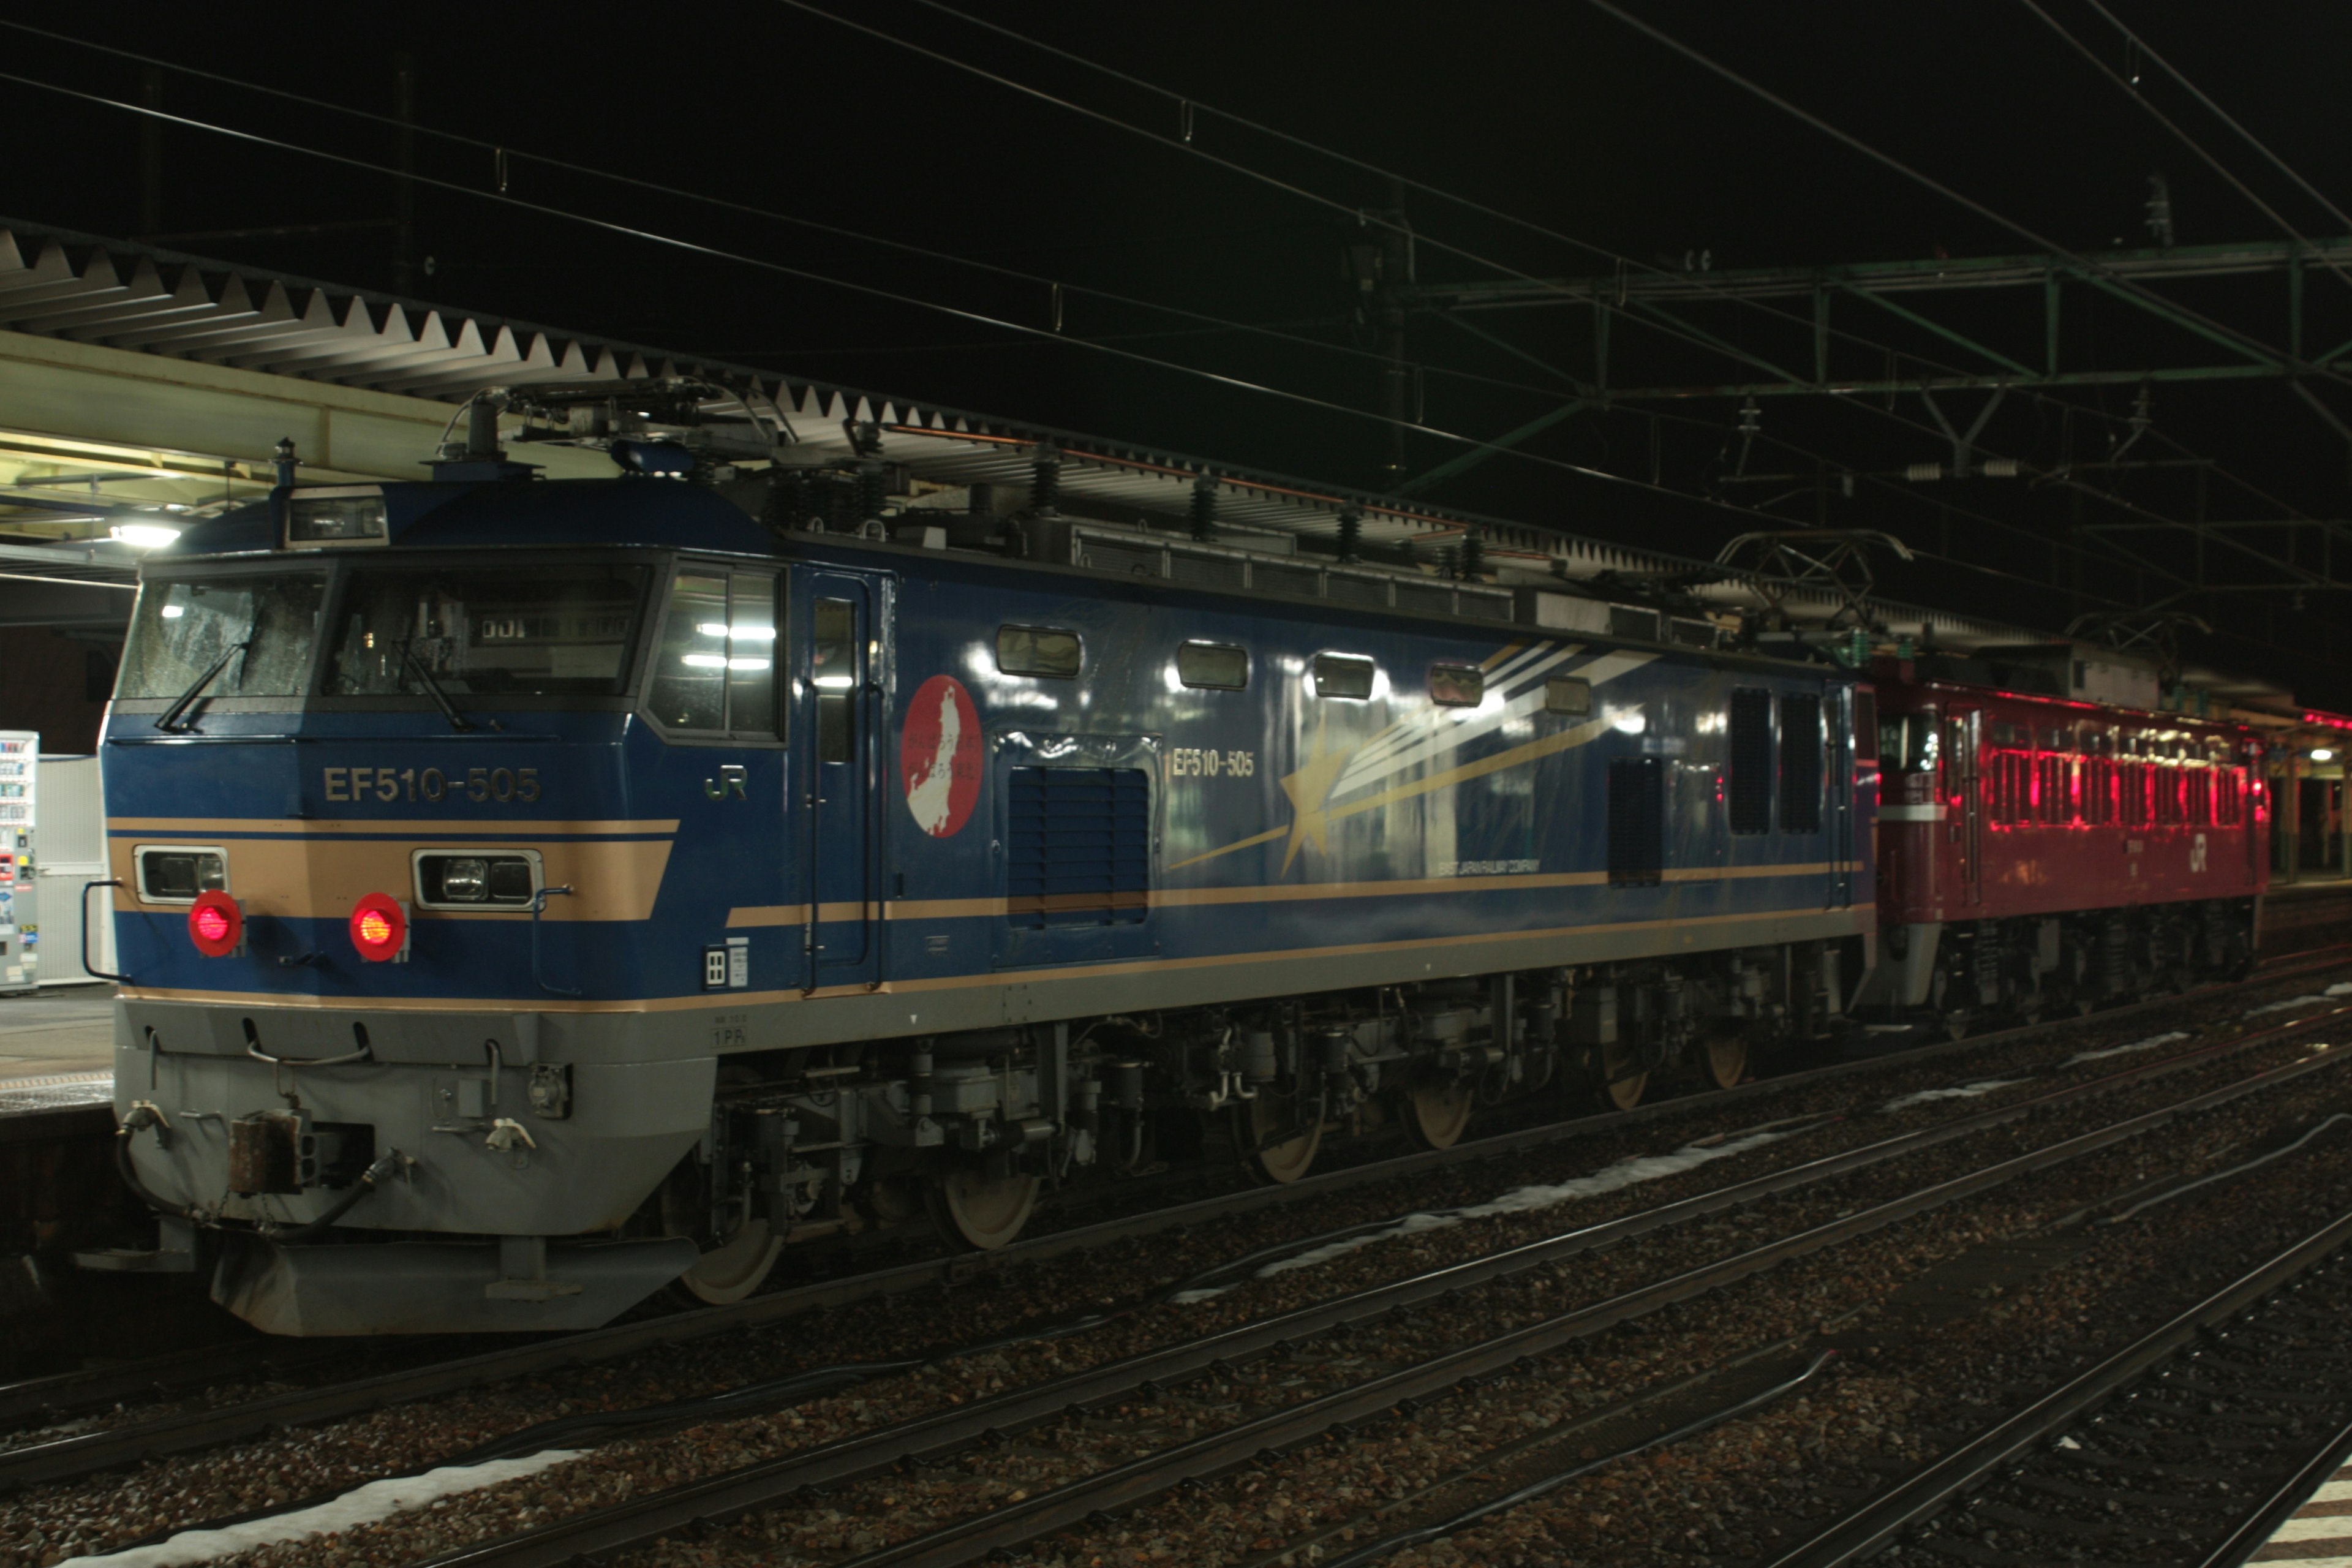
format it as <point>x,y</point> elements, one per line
<point>168,721</point>
<point>457,721</point>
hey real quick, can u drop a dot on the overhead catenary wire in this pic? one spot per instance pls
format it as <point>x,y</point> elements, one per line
<point>1403,180</point>
<point>2148,52</point>
<point>2117,280</point>
<point>2185,140</point>
<point>2131,558</point>
<point>1186,146</point>
<point>870,290</point>
<point>1215,323</point>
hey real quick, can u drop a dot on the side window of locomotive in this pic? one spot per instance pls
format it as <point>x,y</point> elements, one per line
<point>1570,694</point>
<point>1337,675</point>
<point>1216,666</point>
<point>1637,822</point>
<point>1457,685</point>
<point>1865,726</point>
<point>715,672</point>
<point>1750,781</point>
<point>833,670</point>
<point>1038,651</point>
<point>1801,764</point>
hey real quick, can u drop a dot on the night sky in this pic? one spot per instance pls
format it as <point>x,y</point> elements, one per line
<point>1561,114</point>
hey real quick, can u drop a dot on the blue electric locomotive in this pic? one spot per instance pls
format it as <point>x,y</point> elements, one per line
<point>530,893</point>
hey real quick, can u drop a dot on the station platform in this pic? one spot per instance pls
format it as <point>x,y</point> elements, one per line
<point>2319,1535</point>
<point>56,1049</point>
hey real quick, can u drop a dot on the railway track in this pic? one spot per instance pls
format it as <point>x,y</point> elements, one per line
<point>95,1451</point>
<point>53,1399</point>
<point>1353,1327</point>
<point>209,1425</point>
<point>2216,1407</point>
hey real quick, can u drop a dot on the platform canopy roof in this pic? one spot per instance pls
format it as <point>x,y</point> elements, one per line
<point>135,380</point>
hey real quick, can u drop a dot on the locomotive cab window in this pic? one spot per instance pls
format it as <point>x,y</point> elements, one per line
<point>550,630</point>
<point>223,636</point>
<point>714,672</point>
<point>1037,650</point>
<point>1216,666</point>
<point>1571,694</point>
<point>1457,685</point>
<point>1335,675</point>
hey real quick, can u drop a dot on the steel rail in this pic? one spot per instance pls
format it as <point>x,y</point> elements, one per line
<point>624,1526</point>
<point>65,1392</point>
<point>1873,1525</point>
<point>91,1453</point>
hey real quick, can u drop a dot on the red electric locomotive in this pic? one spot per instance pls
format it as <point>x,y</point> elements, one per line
<point>2047,840</point>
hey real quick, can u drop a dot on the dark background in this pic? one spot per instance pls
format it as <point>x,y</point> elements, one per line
<point>1560,114</point>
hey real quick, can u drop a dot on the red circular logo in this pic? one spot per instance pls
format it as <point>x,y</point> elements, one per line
<point>939,756</point>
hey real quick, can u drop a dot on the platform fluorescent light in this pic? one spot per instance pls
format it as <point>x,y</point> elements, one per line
<point>2322,755</point>
<point>143,535</point>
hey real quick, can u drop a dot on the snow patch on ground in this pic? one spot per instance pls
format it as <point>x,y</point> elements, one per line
<point>2286,1006</point>
<point>2148,1044</point>
<point>1519,1200</point>
<point>362,1505</point>
<point>1958,1091</point>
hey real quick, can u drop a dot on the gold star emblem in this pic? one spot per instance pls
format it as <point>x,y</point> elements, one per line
<point>1307,788</point>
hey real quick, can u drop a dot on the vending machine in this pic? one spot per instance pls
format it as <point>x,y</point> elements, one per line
<point>20,905</point>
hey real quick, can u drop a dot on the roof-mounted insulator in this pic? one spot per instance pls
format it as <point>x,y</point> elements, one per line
<point>287,462</point>
<point>1351,531</point>
<point>1474,557</point>
<point>1449,563</point>
<point>1205,508</point>
<point>1045,481</point>
<point>873,490</point>
<point>786,509</point>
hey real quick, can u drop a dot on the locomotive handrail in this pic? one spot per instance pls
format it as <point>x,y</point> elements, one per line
<point>538,903</point>
<point>253,1048</point>
<point>86,966</point>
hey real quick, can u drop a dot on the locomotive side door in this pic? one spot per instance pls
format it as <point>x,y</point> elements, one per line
<point>1963,730</point>
<point>836,723</point>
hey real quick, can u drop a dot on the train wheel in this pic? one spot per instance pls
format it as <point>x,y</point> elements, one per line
<point>978,1212</point>
<point>1724,1058</point>
<point>736,1268</point>
<point>1956,1023</point>
<point>1622,1081</point>
<point>1436,1113</point>
<point>1281,1163</point>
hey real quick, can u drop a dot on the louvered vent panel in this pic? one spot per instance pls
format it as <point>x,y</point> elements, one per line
<point>1107,555</point>
<point>1220,570</point>
<point>1484,607</point>
<point>1356,590</point>
<point>1270,577</point>
<point>1081,846</point>
<point>1431,599</point>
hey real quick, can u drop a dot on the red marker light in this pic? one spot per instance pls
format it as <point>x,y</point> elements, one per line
<point>379,929</point>
<point>215,924</point>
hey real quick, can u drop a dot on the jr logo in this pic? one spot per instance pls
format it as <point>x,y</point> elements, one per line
<point>731,780</point>
<point>2197,855</point>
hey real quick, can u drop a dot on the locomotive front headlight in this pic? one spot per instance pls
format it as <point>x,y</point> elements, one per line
<point>458,881</point>
<point>465,882</point>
